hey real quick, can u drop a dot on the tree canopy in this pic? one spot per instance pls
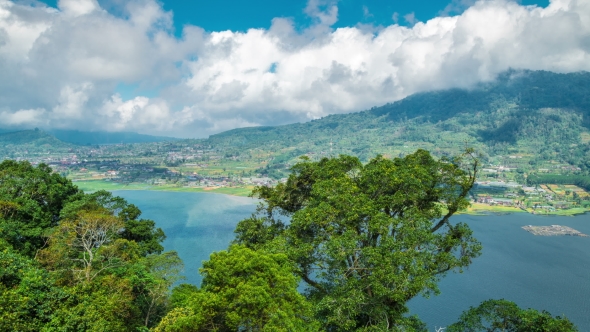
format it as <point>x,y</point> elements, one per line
<point>367,238</point>
<point>71,261</point>
<point>506,316</point>
<point>243,290</point>
<point>31,199</point>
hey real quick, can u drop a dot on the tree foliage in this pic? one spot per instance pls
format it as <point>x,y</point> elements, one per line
<point>243,290</point>
<point>87,245</point>
<point>71,261</point>
<point>503,315</point>
<point>28,297</point>
<point>31,199</point>
<point>367,238</point>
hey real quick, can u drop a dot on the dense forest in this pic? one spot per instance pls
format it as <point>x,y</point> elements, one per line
<point>362,238</point>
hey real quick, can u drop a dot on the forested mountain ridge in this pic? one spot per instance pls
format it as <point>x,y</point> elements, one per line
<point>537,114</point>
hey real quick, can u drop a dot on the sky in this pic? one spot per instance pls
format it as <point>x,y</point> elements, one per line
<point>196,68</point>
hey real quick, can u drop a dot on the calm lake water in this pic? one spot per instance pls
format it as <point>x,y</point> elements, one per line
<point>551,273</point>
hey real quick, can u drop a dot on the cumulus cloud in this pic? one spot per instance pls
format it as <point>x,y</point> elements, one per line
<point>61,66</point>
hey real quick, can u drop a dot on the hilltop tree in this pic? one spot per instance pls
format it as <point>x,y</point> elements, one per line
<point>368,238</point>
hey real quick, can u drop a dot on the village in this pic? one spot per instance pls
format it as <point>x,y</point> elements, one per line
<point>541,199</point>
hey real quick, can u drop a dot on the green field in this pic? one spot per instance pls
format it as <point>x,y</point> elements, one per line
<point>566,212</point>
<point>483,209</point>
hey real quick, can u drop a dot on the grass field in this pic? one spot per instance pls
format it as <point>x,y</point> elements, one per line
<point>566,212</point>
<point>482,209</point>
<point>94,185</point>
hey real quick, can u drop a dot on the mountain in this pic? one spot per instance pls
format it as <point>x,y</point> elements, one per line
<point>104,137</point>
<point>25,143</point>
<point>536,116</point>
<point>30,137</point>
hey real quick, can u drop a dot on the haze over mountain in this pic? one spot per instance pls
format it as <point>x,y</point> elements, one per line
<point>126,66</point>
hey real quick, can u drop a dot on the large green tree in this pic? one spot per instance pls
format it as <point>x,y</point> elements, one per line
<point>31,199</point>
<point>506,316</point>
<point>243,290</point>
<point>368,238</point>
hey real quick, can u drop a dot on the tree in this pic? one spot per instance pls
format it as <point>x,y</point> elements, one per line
<point>106,304</point>
<point>503,315</point>
<point>87,245</point>
<point>368,238</point>
<point>243,290</point>
<point>101,267</point>
<point>27,295</point>
<point>154,276</point>
<point>31,200</point>
<point>142,231</point>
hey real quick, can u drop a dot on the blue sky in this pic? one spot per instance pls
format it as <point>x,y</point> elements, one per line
<point>238,15</point>
<point>196,68</point>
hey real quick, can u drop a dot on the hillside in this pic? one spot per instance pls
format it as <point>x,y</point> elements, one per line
<point>32,138</point>
<point>25,144</point>
<point>535,116</point>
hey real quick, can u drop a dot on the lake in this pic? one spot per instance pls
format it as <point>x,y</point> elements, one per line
<point>551,273</point>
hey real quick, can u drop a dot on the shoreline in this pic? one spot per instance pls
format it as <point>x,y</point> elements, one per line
<point>475,209</point>
<point>95,185</point>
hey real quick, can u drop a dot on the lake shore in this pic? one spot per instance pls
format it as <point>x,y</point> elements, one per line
<point>94,185</point>
<point>476,209</point>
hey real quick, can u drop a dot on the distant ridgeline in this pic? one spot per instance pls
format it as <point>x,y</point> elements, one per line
<point>16,144</point>
<point>538,114</point>
<point>57,138</point>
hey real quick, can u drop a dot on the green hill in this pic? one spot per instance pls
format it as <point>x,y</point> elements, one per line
<point>31,137</point>
<point>28,142</point>
<point>535,116</point>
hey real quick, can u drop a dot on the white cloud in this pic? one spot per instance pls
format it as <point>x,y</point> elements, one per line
<point>61,67</point>
<point>22,117</point>
<point>77,7</point>
<point>71,102</point>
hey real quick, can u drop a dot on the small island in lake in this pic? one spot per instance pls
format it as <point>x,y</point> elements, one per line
<point>552,230</point>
